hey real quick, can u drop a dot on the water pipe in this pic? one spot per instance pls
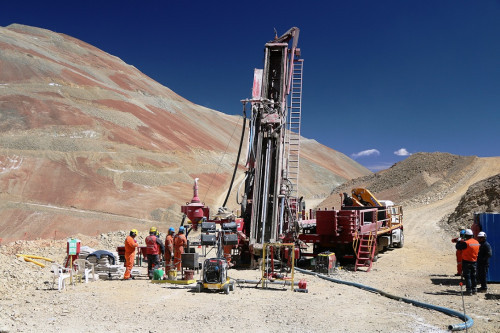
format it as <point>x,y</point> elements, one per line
<point>468,322</point>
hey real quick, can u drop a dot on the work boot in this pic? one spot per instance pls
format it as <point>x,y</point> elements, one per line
<point>482,290</point>
<point>468,293</point>
<point>474,291</point>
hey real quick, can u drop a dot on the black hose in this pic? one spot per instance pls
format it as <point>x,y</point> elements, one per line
<point>468,322</point>
<point>238,157</point>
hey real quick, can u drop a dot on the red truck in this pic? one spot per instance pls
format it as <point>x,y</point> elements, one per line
<point>354,232</point>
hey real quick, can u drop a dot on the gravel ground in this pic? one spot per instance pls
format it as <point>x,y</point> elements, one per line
<point>423,270</point>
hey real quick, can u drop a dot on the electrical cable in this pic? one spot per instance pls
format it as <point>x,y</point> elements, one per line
<point>237,158</point>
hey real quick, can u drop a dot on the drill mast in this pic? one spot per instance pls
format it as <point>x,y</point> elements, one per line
<point>269,205</point>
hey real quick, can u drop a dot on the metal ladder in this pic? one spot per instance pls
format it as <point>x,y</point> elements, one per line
<point>366,251</point>
<point>292,138</point>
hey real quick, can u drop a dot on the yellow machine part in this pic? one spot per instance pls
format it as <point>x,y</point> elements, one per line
<point>215,286</point>
<point>174,281</point>
<point>365,197</point>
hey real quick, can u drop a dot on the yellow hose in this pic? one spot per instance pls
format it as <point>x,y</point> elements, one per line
<point>34,257</point>
<point>29,258</point>
<point>35,262</point>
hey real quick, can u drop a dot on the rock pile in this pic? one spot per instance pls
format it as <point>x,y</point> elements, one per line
<point>482,197</point>
<point>420,179</point>
<point>17,275</point>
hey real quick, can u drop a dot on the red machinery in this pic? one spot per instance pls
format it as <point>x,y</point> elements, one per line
<point>269,203</point>
<point>354,232</point>
<point>195,210</point>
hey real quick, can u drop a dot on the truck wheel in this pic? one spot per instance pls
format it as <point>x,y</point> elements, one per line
<point>402,241</point>
<point>226,289</point>
<point>198,288</point>
<point>231,286</point>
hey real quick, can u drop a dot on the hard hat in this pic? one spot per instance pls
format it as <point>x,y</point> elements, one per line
<point>468,232</point>
<point>481,234</point>
<point>171,229</point>
<point>153,229</point>
<point>462,232</point>
<point>133,231</point>
<point>181,229</point>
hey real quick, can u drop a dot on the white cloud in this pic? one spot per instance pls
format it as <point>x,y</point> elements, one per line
<point>402,152</point>
<point>365,153</point>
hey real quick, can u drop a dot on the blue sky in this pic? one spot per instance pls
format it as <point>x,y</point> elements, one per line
<point>382,79</point>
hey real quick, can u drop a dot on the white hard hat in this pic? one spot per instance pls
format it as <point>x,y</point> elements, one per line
<point>468,232</point>
<point>481,234</point>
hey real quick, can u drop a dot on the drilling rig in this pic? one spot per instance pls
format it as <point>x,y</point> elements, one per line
<point>270,203</point>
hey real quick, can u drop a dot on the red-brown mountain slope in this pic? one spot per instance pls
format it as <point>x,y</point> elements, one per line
<point>90,144</point>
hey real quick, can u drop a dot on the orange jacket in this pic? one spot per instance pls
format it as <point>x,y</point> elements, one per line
<point>130,245</point>
<point>180,242</point>
<point>471,251</point>
<point>169,244</point>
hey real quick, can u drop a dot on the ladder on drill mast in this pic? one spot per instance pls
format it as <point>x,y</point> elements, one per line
<point>293,129</point>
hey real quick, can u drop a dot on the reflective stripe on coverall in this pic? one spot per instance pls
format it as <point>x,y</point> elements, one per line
<point>180,242</point>
<point>169,249</point>
<point>471,251</point>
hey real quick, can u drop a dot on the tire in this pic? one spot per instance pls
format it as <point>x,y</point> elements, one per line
<point>402,241</point>
<point>231,286</point>
<point>198,288</point>
<point>226,289</point>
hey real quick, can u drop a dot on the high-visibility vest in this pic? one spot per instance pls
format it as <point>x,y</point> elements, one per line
<point>470,253</point>
<point>152,246</point>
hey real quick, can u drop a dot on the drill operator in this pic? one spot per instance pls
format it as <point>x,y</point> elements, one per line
<point>470,250</point>
<point>130,246</point>
<point>154,249</point>
<point>169,249</point>
<point>180,242</point>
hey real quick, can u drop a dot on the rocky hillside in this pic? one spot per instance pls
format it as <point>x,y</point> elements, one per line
<point>481,197</point>
<point>420,179</point>
<point>89,144</point>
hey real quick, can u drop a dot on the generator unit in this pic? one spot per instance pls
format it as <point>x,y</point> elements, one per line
<point>215,276</point>
<point>325,262</point>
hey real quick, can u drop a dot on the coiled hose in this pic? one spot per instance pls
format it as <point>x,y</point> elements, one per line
<point>468,322</point>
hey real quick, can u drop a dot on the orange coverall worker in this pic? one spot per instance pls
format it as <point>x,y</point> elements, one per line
<point>459,256</point>
<point>169,250</point>
<point>227,254</point>
<point>130,245</point>
<point>180,242</point>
